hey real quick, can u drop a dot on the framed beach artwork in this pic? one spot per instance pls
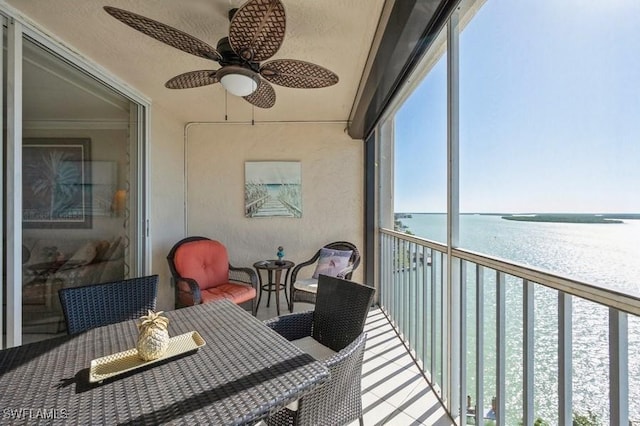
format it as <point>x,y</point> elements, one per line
<point>56,183</point>
<point>272,189</point>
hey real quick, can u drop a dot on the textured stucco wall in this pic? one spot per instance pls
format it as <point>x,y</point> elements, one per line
<point>166,211</point>
<point>332,188</point>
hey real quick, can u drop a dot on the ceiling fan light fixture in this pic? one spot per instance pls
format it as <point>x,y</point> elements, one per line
<point>237,80</point>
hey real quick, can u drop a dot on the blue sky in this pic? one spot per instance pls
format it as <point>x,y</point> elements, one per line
<point>549,113</point>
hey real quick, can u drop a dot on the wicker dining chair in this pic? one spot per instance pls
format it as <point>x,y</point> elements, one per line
<point>337,324</point>
<point>303,286</point>
<point>95,305</point>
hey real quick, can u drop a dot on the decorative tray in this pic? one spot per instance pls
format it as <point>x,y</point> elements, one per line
<point>123,362</point>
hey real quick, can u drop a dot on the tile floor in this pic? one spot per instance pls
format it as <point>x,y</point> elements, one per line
<point>393,390</point>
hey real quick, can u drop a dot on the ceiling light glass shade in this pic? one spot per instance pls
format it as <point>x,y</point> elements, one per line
<point>237,80</point>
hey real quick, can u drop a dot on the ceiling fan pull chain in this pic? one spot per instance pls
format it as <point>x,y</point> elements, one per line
<point>253,115</point>
<point>225,106</point>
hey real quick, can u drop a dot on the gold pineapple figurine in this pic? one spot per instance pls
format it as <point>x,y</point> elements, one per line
<point>153,340</point>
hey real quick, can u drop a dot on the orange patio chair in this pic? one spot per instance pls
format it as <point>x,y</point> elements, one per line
<point>202,273</point>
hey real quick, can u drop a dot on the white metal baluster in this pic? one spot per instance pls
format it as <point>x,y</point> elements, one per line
<point>500,348</point>
<point>443,329</point>
<point>421,306</point>
<point>425,309</point>
<point>463,341</point>
<point>479,344</point>
<point>384,282</point>
<point>565,403</point>
<point>403,289</point>
<point>434,373</point>
<point>528,355</point>
<point>385,279</point>
<point>396,282</point>
<point>618,367</point>
<point>389,274</point>
<point>413,298</point>
<point>392,277</point>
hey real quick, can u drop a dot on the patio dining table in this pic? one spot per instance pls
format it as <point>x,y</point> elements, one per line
<point>244,372</point>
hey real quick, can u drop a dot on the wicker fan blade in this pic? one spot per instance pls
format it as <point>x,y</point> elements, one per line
<point>257,29</point>
<point>263,97</point>
<point>297,74</point>
<point>164,33</point>
<point>192,79</point>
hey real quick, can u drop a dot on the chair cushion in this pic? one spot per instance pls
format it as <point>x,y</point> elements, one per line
<point>205,261</point>
<point>332,262</point>
<point>237,293</point>
<point>309,285</point>
<point>314,348</point>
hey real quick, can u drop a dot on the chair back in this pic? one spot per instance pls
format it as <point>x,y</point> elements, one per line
<point>341,311</point>
<point>95,305</point>
<point>204,260</point>
<point>354,260</point>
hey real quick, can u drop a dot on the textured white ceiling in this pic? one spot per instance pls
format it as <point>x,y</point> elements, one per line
<point>336,34</point>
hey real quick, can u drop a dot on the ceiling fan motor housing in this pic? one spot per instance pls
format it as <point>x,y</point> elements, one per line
<point>230,57</point>
<point>232,12</point>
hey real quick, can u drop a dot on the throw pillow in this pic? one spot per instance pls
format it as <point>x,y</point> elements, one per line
<point>115,250</point>
<point>102,247</point>
<point>84,254</point>
<point>332,262</point>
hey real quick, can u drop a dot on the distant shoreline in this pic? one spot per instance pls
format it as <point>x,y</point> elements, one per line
<point>570,218</point>
<point>604,218</point>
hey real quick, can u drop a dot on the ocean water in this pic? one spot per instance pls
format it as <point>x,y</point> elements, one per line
<point>606,255</point>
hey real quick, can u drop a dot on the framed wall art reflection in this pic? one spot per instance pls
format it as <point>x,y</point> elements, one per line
<point>56,183</point>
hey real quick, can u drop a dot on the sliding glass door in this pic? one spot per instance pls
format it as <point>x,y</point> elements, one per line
<point>77,174</point>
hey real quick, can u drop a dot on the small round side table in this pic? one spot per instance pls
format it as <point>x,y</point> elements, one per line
<point>273,286</point>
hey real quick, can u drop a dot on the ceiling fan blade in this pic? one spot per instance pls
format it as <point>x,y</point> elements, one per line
<point>263,97</point>
<point>164,33</point>
<point>257,29</point>
<point>192,79</point>
<point>297,74</point>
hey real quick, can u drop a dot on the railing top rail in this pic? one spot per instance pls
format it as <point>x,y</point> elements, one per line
<point>608,297</point>
<point>418,240</point>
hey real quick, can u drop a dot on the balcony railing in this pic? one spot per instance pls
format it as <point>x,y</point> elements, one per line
<point>506,344</point>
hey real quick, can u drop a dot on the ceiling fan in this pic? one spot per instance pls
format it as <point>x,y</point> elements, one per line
<point>256,32</point>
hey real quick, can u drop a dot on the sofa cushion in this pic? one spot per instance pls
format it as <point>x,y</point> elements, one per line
<point>205,261</point>
<point>333,262</point>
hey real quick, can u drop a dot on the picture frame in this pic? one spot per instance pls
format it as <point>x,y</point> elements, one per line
<point>272,189</point>
<point>56,183</point>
